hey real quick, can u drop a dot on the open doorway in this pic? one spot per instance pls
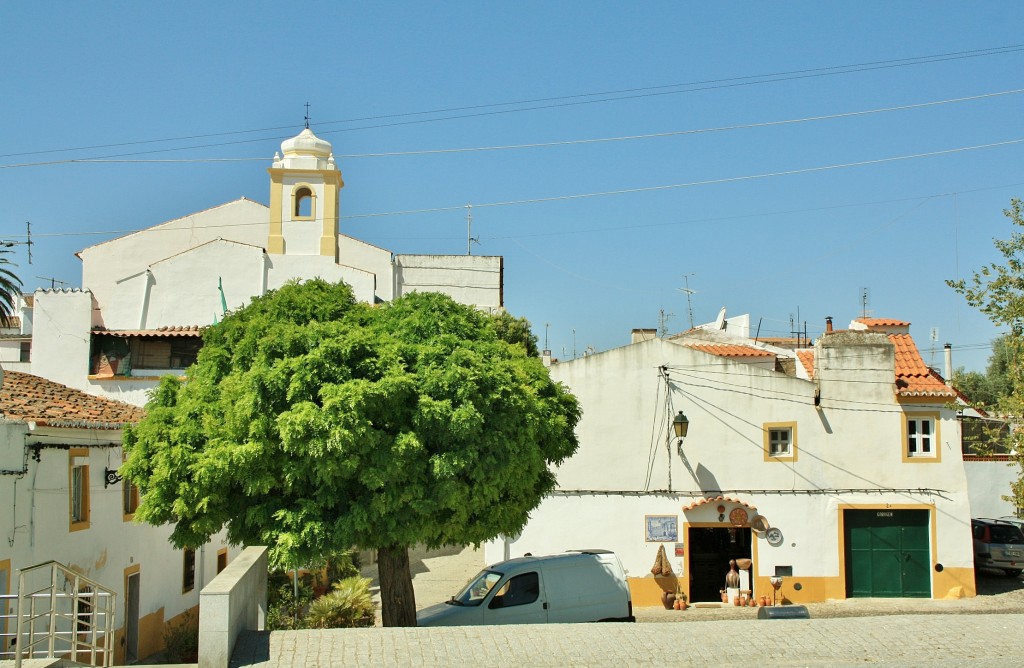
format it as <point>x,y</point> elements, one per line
<point>710,549</point>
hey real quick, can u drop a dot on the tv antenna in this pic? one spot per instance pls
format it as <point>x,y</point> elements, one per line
<point>865,299</point>
<point>307,114</point>
<point>688,291</point>
<point>663,322</point>
<point>28,241</point>
<point>470,239</point>
<point>54,282</point>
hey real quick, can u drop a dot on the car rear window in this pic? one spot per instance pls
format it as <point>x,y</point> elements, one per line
<point>1006,534</point>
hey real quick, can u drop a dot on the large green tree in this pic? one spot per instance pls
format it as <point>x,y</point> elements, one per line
<point>312,423</point>
<point>997,290</point>
<point>985,390</point>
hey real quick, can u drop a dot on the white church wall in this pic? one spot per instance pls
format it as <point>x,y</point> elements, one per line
<point>105,264</point>
<point>469,279</point>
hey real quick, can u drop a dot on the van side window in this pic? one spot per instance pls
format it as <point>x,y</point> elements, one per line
<point>520,590</point>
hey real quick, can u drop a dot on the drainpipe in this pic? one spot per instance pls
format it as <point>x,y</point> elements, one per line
<point>948,348</point>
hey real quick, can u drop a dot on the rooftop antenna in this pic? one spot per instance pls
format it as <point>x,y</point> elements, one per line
<point>307,114</point>
<point>865,299</point>
<point>688,291</point>
<point>28,241</point>
<point>546,325</point>
<point>663,322</point>
<point>470,239</point>
<point>53,281</point>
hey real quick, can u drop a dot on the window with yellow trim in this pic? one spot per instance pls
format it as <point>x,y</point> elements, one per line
<point>779,441</point>
<point>129,499</point>
<point>78,488</point>
<point>921,436</point>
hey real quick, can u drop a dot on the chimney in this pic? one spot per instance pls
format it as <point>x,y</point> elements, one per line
<point>948,348</point>
<point>828,324</point>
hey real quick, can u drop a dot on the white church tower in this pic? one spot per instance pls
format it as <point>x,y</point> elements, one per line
<point>305,186</point>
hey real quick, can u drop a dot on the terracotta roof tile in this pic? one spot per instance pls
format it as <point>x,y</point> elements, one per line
<point>728,349</point>
<point>806,358</point>
<point>913,377</point>
<point>34,399</point>
<point>882,322</point>
<point>177,330</point>
<point>713,499</point>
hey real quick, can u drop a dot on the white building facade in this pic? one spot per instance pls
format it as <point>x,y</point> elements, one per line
<point>64,501</point>
<point>836,467</point>
<point>146,296</point>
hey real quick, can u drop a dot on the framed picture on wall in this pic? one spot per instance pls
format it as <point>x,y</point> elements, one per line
<point>662,528</point>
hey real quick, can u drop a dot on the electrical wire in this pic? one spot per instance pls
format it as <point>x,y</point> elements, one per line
<point>572,142</point>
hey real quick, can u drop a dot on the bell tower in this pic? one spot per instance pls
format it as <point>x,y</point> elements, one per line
<point>305,188</point>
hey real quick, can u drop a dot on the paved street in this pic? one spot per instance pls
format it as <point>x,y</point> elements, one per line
<point>901,640</point>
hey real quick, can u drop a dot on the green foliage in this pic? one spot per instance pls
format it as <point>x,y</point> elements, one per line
<point>348,605</point>
<point>181,641</point>
<point>516,330</point>
<point>988,389</point>
<point>312,423</point>
<point>285,611</point>
<point>998,292</point>
<point>10,286</point>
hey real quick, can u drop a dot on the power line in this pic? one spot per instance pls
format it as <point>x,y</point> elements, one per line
<point>561,101</point>
<point>569,142</point>
<point>691,184</point>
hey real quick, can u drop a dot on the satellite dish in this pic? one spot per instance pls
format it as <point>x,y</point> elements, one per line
<point>720,320</point>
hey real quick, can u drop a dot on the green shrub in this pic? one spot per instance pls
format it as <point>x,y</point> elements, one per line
<point>284,610</point>
<point>181,642</point>
<point>348,605</point>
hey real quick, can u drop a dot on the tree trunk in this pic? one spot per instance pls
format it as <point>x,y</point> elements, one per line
<point>397,600</point>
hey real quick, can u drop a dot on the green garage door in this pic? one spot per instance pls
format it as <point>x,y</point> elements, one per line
<point>887,553</point>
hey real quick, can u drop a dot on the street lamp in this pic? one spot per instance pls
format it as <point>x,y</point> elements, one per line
<point>680,425</point>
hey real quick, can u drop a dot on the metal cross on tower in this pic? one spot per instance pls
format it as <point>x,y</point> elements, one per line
<point>307,115</point>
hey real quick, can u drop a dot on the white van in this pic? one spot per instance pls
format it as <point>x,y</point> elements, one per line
<point>578,586</point>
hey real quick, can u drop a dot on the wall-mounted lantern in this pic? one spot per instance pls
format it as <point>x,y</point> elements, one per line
<point>680,425</point>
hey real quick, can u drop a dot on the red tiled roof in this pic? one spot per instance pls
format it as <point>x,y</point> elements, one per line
<point>913,377</point>
<point>177,330</point>
<point>33,399</point>
<point>882,322</point>
<point>713,499</point>
<point>728,349</point>
<point>806,358</point>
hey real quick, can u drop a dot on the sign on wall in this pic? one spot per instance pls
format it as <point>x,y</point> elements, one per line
<point>662,528</point>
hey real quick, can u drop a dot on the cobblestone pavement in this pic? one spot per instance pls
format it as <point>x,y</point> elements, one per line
<point>902,640</point>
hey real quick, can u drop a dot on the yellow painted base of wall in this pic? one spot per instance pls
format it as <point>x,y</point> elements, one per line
<point>950,583</point>
<point>954,583</point>
<point>646,592</point>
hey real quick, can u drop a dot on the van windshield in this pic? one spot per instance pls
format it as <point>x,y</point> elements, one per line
<point>474,592</point>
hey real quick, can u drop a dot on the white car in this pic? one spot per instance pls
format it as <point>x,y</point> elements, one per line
<point>577,586</point>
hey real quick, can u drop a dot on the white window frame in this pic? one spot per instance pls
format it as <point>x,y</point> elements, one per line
<point>921,443</point>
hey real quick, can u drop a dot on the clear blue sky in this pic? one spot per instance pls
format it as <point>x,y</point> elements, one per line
<point>402,77</point>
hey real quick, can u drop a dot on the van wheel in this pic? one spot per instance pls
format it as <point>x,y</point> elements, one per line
<point>1012,572</point>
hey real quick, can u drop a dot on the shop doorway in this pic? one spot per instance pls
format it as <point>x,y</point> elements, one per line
<point>710,549</point>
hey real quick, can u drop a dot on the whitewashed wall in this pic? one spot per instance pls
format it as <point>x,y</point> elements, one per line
<point>988,482</point>
<point>851,441</point>
<point>35,525</point>
<point>468,279</point>
<point>61,336</point>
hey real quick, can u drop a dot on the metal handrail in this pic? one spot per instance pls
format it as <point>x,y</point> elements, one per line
<point>73,622</point>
